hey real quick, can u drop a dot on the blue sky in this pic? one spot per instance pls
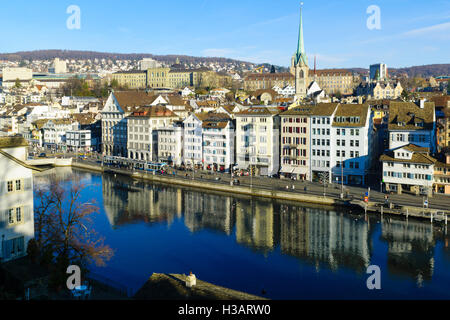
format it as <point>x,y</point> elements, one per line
<point>412,32</point>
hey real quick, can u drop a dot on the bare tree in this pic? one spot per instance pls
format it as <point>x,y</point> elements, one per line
<point>63,225</point>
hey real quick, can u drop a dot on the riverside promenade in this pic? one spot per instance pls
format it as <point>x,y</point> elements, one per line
<point>408,206</point>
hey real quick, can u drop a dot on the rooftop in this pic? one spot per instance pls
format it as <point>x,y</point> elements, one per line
<point>13,142</point>
<point>408,116</point>
<point>349,112</point>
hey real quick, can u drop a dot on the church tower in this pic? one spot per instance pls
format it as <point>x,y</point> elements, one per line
<point>299,65</point>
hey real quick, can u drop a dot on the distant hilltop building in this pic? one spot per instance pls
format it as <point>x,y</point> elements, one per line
<point>58,66</point>
<point>11,75</point>
<point>378,72</point>
<point>148,63</point>
<point>174,77</point>
<point>300,77</point>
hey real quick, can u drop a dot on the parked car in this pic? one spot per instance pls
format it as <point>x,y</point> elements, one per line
<point>236,182</point>
<point>42,155</point>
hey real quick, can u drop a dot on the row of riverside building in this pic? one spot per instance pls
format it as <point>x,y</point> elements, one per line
<point>330,142</point>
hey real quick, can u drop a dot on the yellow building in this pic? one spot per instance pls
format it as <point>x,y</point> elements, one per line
<point>257,81</point>
<point>158,77</point>
<point>131,79</point>
<point>177,77</point>
<point>334,80</point>
<point>180,78</point>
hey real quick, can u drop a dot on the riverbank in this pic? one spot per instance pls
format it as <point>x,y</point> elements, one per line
<point>292,195</point>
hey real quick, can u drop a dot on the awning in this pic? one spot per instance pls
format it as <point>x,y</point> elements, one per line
<point>299,170</point>
<point>287,170</point>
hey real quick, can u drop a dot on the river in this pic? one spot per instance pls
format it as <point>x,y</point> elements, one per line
<point>289,250</point>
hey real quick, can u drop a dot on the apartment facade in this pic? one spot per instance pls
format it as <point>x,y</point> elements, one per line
<point>408,168</point>
<point>142,126</point>
<point>193,139</point>
<point>170,143</point>
<point>79,140</point>
<point>218,142</point>
<point>114,119</point>
<point>353,138</point>
<point>322,149</point>
<point>295,143</point>
<point>258,140</point>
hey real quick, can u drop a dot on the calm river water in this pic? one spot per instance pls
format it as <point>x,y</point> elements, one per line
<point>288,250</point>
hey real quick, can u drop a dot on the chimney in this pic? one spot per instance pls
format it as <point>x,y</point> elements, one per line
<point>422,103</point>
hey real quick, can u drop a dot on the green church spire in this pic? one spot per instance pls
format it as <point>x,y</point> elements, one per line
<point>301,54</point>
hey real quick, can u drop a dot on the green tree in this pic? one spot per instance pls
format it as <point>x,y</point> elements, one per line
<point>405,95</point>
<point>114,84</point>
<point>448,87</point>
<point>272,69</point>
<point>377,75</point>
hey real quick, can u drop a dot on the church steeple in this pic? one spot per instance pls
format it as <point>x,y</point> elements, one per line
<point>300,56</point>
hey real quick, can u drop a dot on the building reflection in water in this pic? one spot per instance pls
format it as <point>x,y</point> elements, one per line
<point>126,201</point>
<point>321,237</point>
<point>325,237</point>
<point>16,199</point>
<point>410,248</point>
<point>255,224</point>
<point>208,211</point>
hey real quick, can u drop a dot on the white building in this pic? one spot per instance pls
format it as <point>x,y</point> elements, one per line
<point>58,66</point>
<point>39,112</point>
<point>408,168</point>
<point>322,149</point>
<point>193,139</point>
<point>186,92</point>
<point>218,142</point>
<point>148,63</point>
<point>352,138</point>
<point>258,140</point>
<point>12,74</point>
<point>79,140</point>
<point>285,91</point>
<point>16,199</point>
<point>54,131</point>
<point>170,143</point>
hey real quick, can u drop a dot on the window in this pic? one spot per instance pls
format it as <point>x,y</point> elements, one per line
<point>18,215</point>
<point>10,186</point>
<point>15,216</point>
